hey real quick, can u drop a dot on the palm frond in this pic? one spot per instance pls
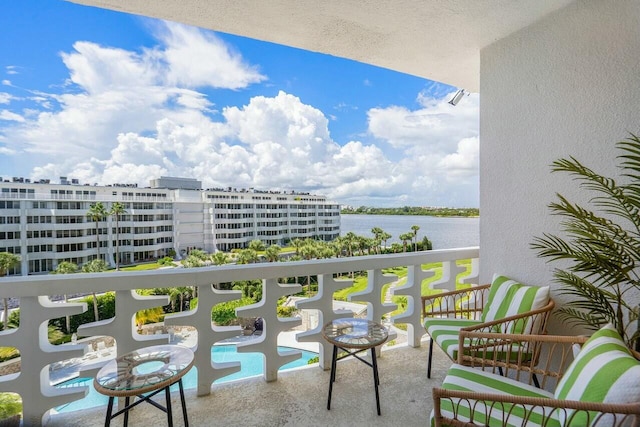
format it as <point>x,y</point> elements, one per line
<point>599,245</point>
<point>580,318</point>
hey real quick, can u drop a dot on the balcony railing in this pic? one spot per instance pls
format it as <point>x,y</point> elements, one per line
<point>33,382</point>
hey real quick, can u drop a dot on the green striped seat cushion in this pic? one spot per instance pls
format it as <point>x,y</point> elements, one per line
<point>509,298</point>
<point>603,371</point>
<point>472,379</point>
<point>445,332</point>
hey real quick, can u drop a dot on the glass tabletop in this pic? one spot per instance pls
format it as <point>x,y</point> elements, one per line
<point>355,333</point>
<point>143,370</point>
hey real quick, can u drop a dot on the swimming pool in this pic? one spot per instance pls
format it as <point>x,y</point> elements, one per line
<point>250,363</point>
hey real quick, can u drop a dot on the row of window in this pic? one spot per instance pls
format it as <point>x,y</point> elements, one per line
<point>234,226</point>
<point>61,234</point>
<point>4,235</point>
<point>18,193</point>
<point>39,234</point>
<point>39,248</point>
<point>10,204</point>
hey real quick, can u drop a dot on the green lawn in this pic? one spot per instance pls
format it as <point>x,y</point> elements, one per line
<point>141,267</point>
<point>360,282</point>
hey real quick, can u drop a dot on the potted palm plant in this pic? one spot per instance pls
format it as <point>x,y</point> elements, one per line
<point>599,250</point>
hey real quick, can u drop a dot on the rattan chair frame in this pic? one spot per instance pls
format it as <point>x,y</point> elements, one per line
<point>554,355</point>
<point>468,304</point>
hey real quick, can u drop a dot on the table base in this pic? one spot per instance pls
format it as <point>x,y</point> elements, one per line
<point>373,365</point>
<point>147,398</point>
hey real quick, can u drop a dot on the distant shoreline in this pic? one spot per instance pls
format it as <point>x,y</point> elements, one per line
<point>414,210</point>
<point>410,214</point>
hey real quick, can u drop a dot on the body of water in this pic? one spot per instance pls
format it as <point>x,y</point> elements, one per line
<point>251,365</point>
<point>444,233</point>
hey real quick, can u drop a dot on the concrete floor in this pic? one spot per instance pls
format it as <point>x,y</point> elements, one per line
<point>299,397</point>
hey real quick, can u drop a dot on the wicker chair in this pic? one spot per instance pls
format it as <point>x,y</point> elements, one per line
<point>447,314</point>
<point>600,387</point>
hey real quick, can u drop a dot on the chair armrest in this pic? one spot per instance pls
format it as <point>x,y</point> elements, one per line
<point>486,403</point>
<point>524,357</point>
<point>451,304</point>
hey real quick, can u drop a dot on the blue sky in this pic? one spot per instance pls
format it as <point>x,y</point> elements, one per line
<point>107,98</point>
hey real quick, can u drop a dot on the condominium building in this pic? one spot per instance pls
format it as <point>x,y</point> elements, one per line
<point>47,223</point>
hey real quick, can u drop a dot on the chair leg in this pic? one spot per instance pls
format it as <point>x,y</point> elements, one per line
<point>535,381</point>
<point>430,356</point>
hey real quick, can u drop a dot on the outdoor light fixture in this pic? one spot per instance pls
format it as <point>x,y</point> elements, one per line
<point>457,97</point>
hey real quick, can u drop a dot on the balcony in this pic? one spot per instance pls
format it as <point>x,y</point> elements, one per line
<point>299,398</point>
<point>277,398</point>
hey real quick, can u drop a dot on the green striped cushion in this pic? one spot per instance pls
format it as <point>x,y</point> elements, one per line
<point>470,379</point>
<point>604,371</point>
<point>509,298</point>
<point>445,332</point>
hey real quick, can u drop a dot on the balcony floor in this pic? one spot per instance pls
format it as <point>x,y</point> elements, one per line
<point>299,397</point>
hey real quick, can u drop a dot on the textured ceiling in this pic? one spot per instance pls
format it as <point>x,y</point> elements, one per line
<point>435,39</point>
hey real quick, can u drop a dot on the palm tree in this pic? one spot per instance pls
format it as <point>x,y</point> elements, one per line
<point>117,209</point>
<point>247,256</point>
<point>97,212</point>
<point>415,229</point>
<point>297,243</point>
<point>350,240</point>
<point>95,266</point>
<point>179,293</point>
<point>257,245</point>
<point>66,267</point>
<point>406,237</point>
<point>219,258</point>
<point>308,252</point>
<point>377,236</point>
<point>192,261</point>
<point>385,236</point>
<point>199,254</point>
<point>7,262</point>
<point>273,253</point>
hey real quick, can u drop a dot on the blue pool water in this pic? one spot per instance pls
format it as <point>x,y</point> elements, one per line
<point>250,363</point>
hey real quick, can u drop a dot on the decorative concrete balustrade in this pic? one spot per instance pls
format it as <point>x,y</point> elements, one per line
<point>33,382</point>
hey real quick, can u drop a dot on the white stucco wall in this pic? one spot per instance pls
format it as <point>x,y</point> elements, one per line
<point>566,85</point>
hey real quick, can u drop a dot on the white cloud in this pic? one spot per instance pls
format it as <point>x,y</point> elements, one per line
<point>128,117</point>
<point>9,115</point>
<point>197,59</point>
<point>464,162</point>
<point>437,147</point>
<point>438,126</point>
<point>5,98</point>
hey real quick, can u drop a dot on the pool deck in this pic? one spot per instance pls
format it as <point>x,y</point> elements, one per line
<point>95,359</point>
<point>298,397</point>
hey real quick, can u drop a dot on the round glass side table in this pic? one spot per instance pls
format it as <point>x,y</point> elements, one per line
<point>145,373</point>
<point>354,336</point>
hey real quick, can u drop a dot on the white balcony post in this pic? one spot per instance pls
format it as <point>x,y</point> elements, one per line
<point>36,354</point>
<point>323,302</point>
<point>412,289</point>
<point>208,335</point>
<point>267,344</point>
